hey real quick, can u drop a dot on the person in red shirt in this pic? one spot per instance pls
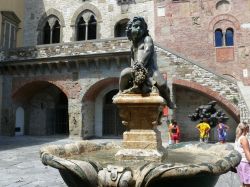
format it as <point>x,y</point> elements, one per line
<point>174,131</point>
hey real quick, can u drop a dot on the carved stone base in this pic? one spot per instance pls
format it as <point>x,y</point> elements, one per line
<point>141,145</point>
<point>142,140</point>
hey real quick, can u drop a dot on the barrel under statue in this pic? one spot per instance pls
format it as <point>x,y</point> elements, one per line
<point>141,160</point>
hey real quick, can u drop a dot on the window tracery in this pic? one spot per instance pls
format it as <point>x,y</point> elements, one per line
<point>86,26</point>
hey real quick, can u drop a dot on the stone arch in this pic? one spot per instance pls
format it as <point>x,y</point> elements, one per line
<point>95,89</point>
<point>92,8</point>
<point>46,106</point>
<point>44,17</point>
<point>116,20</point>
<point>216,21</point>
<point>48,13</point>
<point>221,17</point>
<point>223,6</point>
<point>229,107</point>
<point>93,101</point>
<point>24,84</point>
<point>99,109</point>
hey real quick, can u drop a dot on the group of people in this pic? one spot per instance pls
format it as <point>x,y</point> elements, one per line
<point>242,144</point>
<point>203,127</point>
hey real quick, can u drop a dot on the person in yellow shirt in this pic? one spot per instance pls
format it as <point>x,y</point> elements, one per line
<point>204,129</point>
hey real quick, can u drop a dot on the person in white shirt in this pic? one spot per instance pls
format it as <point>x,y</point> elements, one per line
<point>243,147</point>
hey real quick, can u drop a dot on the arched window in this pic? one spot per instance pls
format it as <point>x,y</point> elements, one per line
<point>86,26</point>
<point>92,28</point>
<point>56,33</point>
<point>81,29</point>
<point>229,38</point>
<point>218,38</point>
<point>46,33</point>
<point>120,28</point>
<point>51,31</point>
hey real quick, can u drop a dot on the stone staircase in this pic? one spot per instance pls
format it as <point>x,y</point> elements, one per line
<point>244,103</point>
<point>180,67</point>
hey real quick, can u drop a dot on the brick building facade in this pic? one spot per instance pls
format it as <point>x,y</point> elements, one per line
<point>193,28</point>
<point>62,81</point>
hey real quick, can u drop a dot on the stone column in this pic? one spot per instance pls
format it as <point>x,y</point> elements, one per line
<point>7,111</point>
<point>75,119</point>
<point>142,140</point>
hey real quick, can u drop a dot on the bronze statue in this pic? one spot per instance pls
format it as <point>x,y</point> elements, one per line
<point>209,112</point>
<point>143,73</point>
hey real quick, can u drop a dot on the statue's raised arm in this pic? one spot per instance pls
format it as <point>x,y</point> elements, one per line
<point>143,73</point>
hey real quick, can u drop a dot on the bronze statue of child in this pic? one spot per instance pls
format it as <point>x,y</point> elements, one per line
<point>143,73</point>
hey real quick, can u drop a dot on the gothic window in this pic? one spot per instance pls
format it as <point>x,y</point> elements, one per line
<point>56,33</point>
<point>229,37</point>
<point>120,28</point>
<point>224,38</point>
<point>218,38</point>
<point>86,26</point>
<point>92,28</point>
<point>46,33</point>
<point>51,31</point>
<point>81,29</point>
<point>9,30</point>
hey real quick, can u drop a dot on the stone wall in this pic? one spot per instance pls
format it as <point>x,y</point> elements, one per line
<point>107,11</point>
<point>70,50</point>
<point>198,77</point>
<point>41,112</point>
<point>86,77</point>
<point>187,27</point>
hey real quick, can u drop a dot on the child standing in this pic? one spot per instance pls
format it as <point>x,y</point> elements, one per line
<point>174,131</point>
<point>222,131</point>
<point>204,129</point>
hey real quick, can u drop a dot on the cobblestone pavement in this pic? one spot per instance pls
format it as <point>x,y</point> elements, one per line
<point>20,163</point>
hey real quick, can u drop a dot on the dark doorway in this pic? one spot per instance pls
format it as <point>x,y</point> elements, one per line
<point>46,109</point>
<point>61,113</point>
<point>112,125</point>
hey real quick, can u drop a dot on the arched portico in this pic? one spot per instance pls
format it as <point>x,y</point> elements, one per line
<point>94,98</point>
<point>45,108</point>
<point>188,96</point>
<point>229,107</point>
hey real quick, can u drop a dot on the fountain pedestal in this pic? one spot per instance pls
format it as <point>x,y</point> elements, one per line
<point>142,140</point>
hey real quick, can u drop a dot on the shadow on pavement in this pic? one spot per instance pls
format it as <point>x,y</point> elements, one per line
<point>13,142</point>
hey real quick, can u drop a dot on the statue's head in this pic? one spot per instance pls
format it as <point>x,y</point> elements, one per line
<point>137,28</point>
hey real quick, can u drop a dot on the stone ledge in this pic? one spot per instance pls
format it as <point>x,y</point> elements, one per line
<point>152,98</point>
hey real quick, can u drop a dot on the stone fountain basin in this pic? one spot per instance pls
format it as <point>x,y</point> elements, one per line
<point>85,163</point>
